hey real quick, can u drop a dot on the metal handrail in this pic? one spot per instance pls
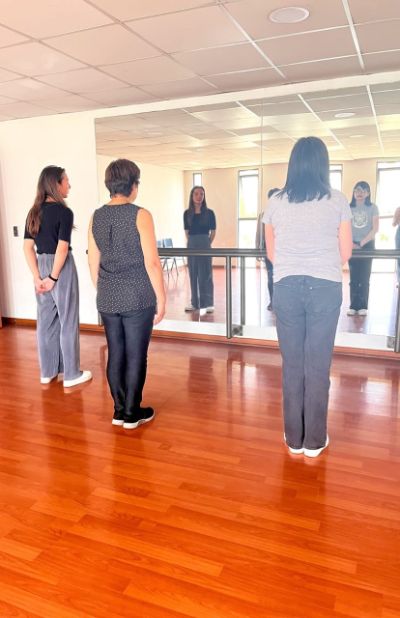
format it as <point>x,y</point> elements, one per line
<point>234,252</point>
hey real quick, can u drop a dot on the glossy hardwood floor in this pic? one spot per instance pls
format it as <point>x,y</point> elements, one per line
<point>203,512</point>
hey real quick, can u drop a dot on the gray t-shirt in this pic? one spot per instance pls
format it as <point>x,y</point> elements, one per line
<point>306,235</point>
<point>361,224</point>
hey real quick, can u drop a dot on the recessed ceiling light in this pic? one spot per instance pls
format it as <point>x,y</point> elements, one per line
<point>289,15</point>
<point>344,115</point>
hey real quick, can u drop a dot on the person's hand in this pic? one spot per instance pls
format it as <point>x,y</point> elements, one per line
<point>160,312</point>
<point>356,246</point>
<point>47,284</point>
<point>39,287</point>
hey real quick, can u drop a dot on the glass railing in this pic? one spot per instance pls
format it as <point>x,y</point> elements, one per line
<point>241,298</point>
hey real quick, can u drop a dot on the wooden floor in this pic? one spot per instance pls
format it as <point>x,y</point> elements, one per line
<point>202,513</point>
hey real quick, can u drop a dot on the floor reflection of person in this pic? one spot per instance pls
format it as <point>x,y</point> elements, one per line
<point>308,238</point>
<point>48,228</point>
<point>126,270</point>
<point>200,226</point>
<point>396,222</point>
<point>260,244</point>
<point>365,225</point>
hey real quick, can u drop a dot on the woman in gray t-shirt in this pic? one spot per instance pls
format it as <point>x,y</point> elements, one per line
<point>365,224</point>
<point>308,238</point>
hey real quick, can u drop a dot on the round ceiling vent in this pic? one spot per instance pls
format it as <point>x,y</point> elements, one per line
<point>289,15</point>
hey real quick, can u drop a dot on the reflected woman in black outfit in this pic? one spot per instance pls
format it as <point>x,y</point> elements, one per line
<point>200,225</point>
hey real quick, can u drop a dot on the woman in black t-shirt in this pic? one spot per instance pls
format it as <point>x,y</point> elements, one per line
<point>48,227</point>
<point>200,225</point>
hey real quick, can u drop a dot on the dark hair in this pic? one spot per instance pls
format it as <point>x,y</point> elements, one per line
<point>363,185</point>
<point>272,192</point>
<point>48,186</point>
<point>203,208</point>
<point>308,171</point>
<point>120,177</point>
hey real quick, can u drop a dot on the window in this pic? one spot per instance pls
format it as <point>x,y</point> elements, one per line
<point>335,176</point>
<point>197,179</point>
<point>248,199</point>
<point>387,193</point>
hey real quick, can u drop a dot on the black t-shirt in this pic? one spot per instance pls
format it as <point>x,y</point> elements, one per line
<point>56,221</point>
<point>202,223</point>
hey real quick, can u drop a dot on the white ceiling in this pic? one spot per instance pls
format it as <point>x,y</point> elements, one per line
<point>86,54</point>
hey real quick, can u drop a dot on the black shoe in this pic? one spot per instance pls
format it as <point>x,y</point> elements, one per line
<point>144,416</point>
<point>118,418</point>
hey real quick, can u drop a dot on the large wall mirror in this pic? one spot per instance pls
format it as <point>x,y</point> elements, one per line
<point>238,150</point>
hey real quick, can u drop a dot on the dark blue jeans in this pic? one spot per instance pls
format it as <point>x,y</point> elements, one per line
<point>360,274</point>
<point>307,311</point>
<point>128,337</point>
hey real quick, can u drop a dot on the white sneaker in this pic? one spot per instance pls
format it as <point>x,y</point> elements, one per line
<point>47,380</point>
<point>203,311</point>
<point>84,377</point>
<point>351,312</point>
<point>363,312</point>
<point>209,309</point>
<point>314,452</point>
<point>190,308</point>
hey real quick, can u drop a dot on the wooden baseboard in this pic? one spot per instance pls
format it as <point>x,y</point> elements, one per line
<point>242,341</point>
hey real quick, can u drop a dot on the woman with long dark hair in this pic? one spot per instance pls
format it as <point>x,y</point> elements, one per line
<point>48,228</point>
<point>200,226</point>
<point>308,238</point>
<point>365,225</point>
<point>126,271</point>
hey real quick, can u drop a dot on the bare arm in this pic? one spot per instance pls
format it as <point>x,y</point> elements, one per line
<point>373,232</point>
<point>151,260</point>
<point>270,241</point>
<point>93,255</point>
<point>60,256</point>
<point>396,217</point>
<point>345,241</point>
<point>187,234</point>
<point>212,236</point>
<point>31,259</point>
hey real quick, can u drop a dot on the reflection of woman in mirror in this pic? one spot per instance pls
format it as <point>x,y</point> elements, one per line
<point>200,225</point>
<point>126,270</point>
<point>260,244</point>
<point>48,227</point>
<point>308,238</point>
<point>396,222</point>
<point>365,225</point>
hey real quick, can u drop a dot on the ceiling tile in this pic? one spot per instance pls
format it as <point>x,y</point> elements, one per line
<point>378,36</point>
<point>23,110</point>
<point>106,45</point>
<point>83,80</point>
<point>29,90</point>
<point>43,18</point>
<point>383,98</point>
<point>368,10</point>
<point>246,79</point>
<point>182,88</point>
<point>323,69</point>
<point>269,108</point>
<point>137,9</point>
<point>310,46</point>
<point>382,61</point>
<point>121,96</point>
<point>4,100</point>
<point>71,103</point>
<point>338,103</point>
<point>8,37</point>
<point>35,59</point>
<point>222,59</point>
<point>252,15</point>
<point>359,112</point>
<point>149,71</point>
<point>6,76</point>
<point>199,28</point>
<point>385,87</point>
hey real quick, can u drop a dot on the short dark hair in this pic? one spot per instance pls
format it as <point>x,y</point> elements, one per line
<point>365,186</point>
<point>308,171</point>
<point>120,177</point>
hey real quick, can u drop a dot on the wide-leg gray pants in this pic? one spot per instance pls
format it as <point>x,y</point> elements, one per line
<point>58,321</point>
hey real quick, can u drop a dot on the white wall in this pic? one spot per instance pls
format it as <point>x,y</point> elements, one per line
<point>26,146</point>
<point>161,191</point>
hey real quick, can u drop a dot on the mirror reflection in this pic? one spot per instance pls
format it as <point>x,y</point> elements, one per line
<point>237,152</point>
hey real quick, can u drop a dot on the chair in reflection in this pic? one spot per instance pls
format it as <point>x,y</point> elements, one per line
<point>169,262</point>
